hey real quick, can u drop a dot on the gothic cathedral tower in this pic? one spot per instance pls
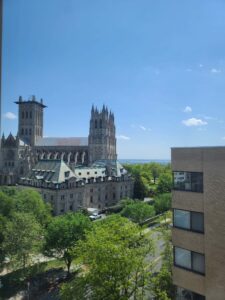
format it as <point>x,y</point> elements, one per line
<point>102,135</point>
<point>30,127</point>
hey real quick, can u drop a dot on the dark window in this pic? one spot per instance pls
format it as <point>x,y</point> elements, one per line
<point>96,172</point>
<point>30,131</point>
<point>183,294</point>
<point>71,196</point>
<point>62,197</point>
<point>100,123</point>
<point>96,124</point>
<point>189,260</point>
<point>88,173</point>
<point>22,114</point>
<point>26,131</point>
<point>91,199</point>
<point>189,220</point>
<point>31,114</point>
<point>26,114</point>
<point>114,196</point>
<point>188,181</point>
<point>22,131</point>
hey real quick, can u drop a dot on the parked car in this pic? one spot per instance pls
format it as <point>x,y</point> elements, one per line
<point>95,216</point>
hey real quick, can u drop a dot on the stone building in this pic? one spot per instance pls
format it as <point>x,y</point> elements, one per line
<point>69,172</point>
<point>198,234</point>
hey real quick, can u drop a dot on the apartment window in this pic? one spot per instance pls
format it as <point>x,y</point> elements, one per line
<point>188,181</point>
<point>188,220</point>
<point>183,294</point>
<point>189,260</point>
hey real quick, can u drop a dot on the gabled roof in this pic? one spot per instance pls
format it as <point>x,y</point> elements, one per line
<point>55,171</point>
<point>62,141</point>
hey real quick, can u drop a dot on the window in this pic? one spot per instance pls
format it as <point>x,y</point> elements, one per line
<point>22,114</point>
<point>30,114</point>
<point>183,294</point>
<point>189,260</point>
<point>88,173</point>
<point>96,124</point>
<point>26,114</point>
<point>26,131</point>
<point>67,173</point>
<point>30,131</point>
<point>71,196</point>
<point>96,172</point>
<point>62,197</point>
<point>79,173</point>
<point>188,181</point>
<point>91,199</point>
<point>189,220</point>
<point>22,131</point>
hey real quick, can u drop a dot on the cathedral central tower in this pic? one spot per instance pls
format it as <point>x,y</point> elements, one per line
<point>30,127</point>
<point>102,135</point>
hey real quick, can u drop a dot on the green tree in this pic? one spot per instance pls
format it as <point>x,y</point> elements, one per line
<point>162,202</point>
<point>30,201</point>
<point>138,211</point>
<point>23,237</point>
<point>114,258</point>
<point>161,285</point>
<point>62,235</point>
<point>164,183</point>
<point>140,189</point>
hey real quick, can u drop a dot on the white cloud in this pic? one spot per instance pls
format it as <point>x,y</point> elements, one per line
<point>187,109</point>
<point>10,116</point>
<point>215,71</point>
<point>142,127</point>
<point>123,137</point>
<point>194,122</point>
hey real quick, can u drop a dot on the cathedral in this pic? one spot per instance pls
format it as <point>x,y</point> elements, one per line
<point>69,172</point>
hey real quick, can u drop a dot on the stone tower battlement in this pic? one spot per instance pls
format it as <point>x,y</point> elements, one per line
<point>102,135</point>
<point>30,127</point>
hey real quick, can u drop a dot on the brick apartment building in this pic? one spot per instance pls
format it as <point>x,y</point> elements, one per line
<point>198,233</point>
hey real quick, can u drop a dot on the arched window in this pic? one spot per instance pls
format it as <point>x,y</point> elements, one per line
<point>26,131</point>
<point>96,124</point>
<point>22,131</point>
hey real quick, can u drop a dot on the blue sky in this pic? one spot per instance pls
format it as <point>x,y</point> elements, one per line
<point>158,64</point>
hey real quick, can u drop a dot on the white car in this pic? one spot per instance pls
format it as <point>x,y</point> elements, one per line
<point>95,216</point>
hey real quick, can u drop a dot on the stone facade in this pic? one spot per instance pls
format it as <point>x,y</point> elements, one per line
<point>99,179</point>
<point>209,203</point>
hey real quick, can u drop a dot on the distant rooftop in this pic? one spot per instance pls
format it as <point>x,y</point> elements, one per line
<point>62,141</point>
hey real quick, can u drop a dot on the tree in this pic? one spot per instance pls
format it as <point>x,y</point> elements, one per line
<point>30,201</point>
<point>161,285</point>
<point>138,211</point>
<point>62,235</point>
<point>114,258</point>
<point>22,238</point>
<point>162,203</point>
<point>140,189</point>
<point>164,183</point>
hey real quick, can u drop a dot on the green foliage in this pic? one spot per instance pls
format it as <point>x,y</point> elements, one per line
<point>162,285</point>
<point>162,203</point>
<point>113,255</point>
<point>30,201</point>
<point>62,235</point>
<point>140,188</point>
<point>22,238</point>
<point>138,211</point>
<point>7,204</point>
<point>165,183</point>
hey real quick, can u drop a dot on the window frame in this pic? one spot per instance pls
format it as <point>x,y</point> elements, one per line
<point>192,254</point>
<point>184,190</point>
<point>190,218</point>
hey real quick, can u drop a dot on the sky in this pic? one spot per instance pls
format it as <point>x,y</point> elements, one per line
<point>159,65</point>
